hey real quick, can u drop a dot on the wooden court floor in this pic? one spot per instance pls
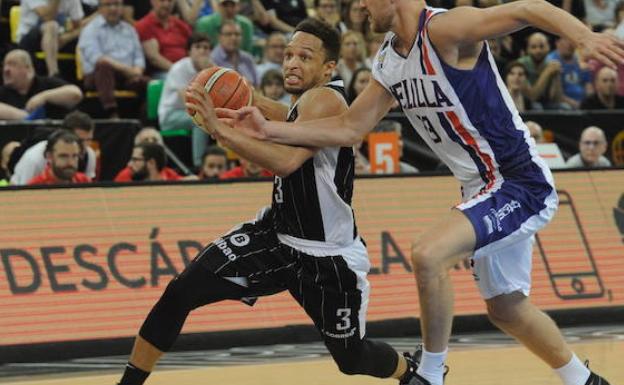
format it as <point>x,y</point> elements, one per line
<point>468,366</point>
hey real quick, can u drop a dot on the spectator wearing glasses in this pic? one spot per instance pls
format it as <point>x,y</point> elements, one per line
<point>228,11</point>
<point>111,55</point>
<point>34,159</point>
<point>229,54</point>
<point>62,153</point>
<point>148,164</point>
<point>592,147</point>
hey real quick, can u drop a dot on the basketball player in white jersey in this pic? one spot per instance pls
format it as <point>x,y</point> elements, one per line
<point>306,242</point>
<point>437,65</point>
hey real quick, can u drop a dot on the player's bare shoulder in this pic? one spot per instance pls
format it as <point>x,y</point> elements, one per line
<point>321,102</point>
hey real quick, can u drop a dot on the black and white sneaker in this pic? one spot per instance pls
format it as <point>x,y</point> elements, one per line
<point>595,379</point>
<point>411,377</point>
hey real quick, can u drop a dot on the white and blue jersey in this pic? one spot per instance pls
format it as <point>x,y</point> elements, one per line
<point>469,120</point>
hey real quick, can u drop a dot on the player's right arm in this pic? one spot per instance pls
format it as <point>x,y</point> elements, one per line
<point>345,129</point>
<point>280,159</point>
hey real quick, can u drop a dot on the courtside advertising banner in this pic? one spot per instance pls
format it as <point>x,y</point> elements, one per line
<point>84,264</point>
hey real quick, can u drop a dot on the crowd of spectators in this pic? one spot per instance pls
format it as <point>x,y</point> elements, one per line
<point>123,45</point>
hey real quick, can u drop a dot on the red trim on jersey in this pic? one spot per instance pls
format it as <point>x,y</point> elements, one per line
<point>470,141</point>
<point>425,50</point>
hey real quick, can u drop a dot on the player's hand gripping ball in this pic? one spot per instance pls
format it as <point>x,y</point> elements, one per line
<point>226,88</point>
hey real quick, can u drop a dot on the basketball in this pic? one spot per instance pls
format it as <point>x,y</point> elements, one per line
<point>226,88</point>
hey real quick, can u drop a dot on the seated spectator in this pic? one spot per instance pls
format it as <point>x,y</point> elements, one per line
<point>329,12</point>
<point>285,15</point>
<point>229,55</point>
<point>273,54</point>
<point>172,113</point>
<point>352,55</point>
<point>605,96</point>
<point>214,162</point>
<point>42,27</point>
<point>592,147</point>
<point>576,81</point>
<point>163,37</point>
<point>355,18</point>
<point>5,170</point>
<point>25,95</point>
<point>228,10</point>
<point>359,81</point>
<point>272,86</point>
<point>518,87</point>
<point>33,161</point>
<point>62,153</point>
<point>246,169</point>
<point>147,163</point>
<point>111,56</point>
<point>544,77</point>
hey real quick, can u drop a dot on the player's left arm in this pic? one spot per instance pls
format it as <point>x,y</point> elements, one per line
<point>280,159</point>
<point>463,27</point>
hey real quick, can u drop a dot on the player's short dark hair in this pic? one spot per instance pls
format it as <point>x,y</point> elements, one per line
<point>78,120</point>
<point>198,37</point>
<point>214,150</point>
<point>326,33</point>
<point>154,151</point>
<point>60,135</point>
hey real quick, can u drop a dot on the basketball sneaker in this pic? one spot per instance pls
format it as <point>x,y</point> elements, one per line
<point>411,377</point>
<point>595,379</point>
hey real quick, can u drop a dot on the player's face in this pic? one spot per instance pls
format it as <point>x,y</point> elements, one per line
<point>304,64</point>
<point>64,160</point>
<point>381,14</point>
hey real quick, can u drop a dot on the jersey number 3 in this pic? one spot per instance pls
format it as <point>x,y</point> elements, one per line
<point>278,194</point>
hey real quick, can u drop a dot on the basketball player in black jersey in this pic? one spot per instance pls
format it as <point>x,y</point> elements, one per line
<point>307,241</point>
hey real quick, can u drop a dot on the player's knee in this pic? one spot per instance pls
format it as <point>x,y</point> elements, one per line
<point>424,261</point>
<point>505,312</point>
<point>349,360</point>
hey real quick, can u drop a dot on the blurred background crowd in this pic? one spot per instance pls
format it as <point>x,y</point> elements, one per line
<point>73,69</point>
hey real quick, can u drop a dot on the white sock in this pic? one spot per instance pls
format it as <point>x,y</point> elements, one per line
<point>574,372</point>
<point>431,366</point>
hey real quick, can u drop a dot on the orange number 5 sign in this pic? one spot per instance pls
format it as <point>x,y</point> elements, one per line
<point>383,152</point>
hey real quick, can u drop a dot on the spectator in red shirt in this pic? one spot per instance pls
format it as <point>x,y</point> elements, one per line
<point>163,36</point>
<point>246,170</point>
<point>147,164</point>
<point>62,153</point>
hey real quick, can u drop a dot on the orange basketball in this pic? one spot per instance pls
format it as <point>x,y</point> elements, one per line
<point>226,88</point>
